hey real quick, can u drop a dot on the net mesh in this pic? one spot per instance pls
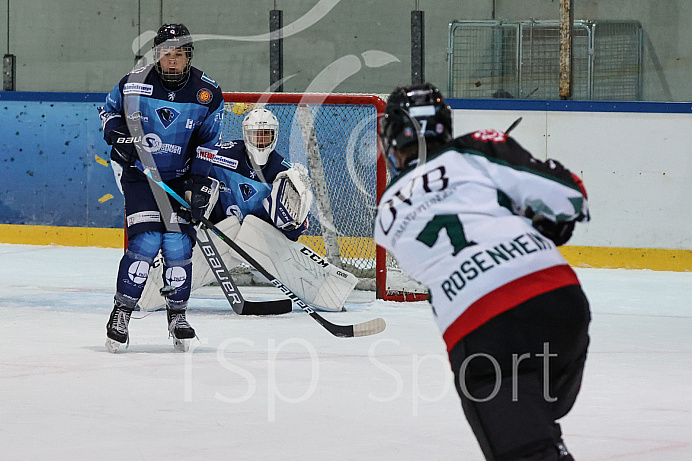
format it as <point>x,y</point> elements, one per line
<point>338,144</point>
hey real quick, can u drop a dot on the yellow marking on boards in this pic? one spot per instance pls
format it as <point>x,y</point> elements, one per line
<point>101,161</point>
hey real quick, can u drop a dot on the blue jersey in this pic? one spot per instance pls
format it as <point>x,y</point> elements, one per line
<point>174,123</point>
<point>243,188</point>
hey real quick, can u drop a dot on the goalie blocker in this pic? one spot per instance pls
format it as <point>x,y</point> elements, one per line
<point>303,271</point>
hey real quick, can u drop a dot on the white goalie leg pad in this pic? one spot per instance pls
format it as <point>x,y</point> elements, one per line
<point>303,271</point>
<point>202,274</point>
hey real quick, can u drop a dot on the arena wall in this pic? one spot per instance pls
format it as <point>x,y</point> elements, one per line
<point>57,186</point>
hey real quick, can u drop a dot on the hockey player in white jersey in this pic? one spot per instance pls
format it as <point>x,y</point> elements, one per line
<point>263,205</point>
<point>478,221</point>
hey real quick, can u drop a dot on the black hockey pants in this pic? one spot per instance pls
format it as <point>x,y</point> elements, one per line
<point>521,371</point>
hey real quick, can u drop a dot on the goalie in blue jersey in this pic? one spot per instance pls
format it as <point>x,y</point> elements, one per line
<point>256,180</point>
<point>157,117</point>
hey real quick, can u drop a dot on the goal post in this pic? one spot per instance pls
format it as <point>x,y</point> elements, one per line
<point>335,137</point>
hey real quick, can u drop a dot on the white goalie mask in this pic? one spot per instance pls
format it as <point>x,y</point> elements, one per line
<point>260,133</point>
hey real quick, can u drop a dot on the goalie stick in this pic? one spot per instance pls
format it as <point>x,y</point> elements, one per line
<point>367,328</point>
<point>240,305</point>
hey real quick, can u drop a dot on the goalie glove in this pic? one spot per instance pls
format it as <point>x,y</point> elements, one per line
<point>291,198</point>
<point>198,191</point>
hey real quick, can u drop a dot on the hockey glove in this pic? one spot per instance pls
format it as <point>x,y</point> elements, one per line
<point>124,149</point>
<point>197,194</point>
<point>558,232</point>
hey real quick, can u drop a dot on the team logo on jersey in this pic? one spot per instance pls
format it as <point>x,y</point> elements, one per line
<point>247,191</point>
<point>167,115</point>
<point>171,96</point>
<point>138,88</point>
<point>204,96</point>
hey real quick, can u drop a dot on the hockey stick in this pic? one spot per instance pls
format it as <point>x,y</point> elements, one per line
<point>369,327</point>
<point>240,305</point>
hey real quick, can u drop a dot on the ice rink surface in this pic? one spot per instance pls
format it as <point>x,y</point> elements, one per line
<point>283,388</point>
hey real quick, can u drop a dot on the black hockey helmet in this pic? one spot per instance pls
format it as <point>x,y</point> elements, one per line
<point>168,37</point>
<point>414,114</point>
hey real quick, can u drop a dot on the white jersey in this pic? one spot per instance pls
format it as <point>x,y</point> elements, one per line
<point>455,223</point>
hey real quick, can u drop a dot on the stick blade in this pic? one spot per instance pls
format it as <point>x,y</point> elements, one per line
<point>371,327</point>
<point>276,307</point>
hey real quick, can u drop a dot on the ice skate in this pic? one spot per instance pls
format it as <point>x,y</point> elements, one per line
<point>179,329</point>
<point>116,328</point>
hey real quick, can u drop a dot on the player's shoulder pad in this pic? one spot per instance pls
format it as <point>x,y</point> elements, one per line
<point>138,74</point>
<point>494,144</point>
<point>205,90</point>
<point>209,80</point>
<point>275,165</point>
<point>498,146</point>
<point>202,80</point>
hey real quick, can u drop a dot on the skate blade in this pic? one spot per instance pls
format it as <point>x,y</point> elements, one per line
<point>182,345</point>
<point>112,345</point>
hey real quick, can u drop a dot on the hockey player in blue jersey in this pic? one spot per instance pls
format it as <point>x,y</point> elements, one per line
<point>157,117</point>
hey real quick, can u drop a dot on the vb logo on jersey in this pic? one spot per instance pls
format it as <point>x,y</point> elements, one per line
<point>167,115</point>
<point>247,191</point>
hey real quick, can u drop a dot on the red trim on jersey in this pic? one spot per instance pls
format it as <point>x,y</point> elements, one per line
<point>506,297</point>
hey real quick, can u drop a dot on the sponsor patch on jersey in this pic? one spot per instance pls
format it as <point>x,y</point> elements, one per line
<point>247,191</point>
<point>204,96</point>
<point>209,80</point>
<point>142,217</point>
<point>151,142</point>
<point>225,162</point>
<point>206,154</point>
<point>167,115</point>
<point>137,116</point>
<point>138,88</point>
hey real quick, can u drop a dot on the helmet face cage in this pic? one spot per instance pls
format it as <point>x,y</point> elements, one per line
<point>170,38</point>
<point>416,113</point>
<point>260,133</point>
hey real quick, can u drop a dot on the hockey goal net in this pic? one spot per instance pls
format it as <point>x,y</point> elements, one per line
<point>335,137</point>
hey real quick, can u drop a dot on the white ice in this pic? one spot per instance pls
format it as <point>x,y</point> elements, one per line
<point>283,388</point>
